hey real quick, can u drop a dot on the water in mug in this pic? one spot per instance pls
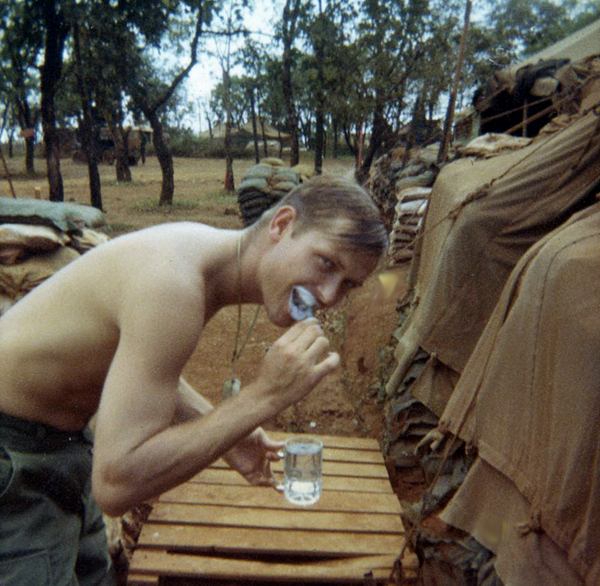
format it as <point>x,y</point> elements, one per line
<point>303,479</point>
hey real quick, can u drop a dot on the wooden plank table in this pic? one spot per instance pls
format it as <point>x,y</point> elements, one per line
<point>217,529</point>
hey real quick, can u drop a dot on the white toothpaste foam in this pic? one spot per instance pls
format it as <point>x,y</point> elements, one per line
<point>302,302</point>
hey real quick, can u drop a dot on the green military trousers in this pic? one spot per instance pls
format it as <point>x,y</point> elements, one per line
<point>51,529</point>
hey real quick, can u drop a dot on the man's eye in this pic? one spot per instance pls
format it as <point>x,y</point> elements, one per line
<point>326,262</point>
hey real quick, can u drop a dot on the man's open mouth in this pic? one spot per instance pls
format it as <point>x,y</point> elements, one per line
<point>302,303</point>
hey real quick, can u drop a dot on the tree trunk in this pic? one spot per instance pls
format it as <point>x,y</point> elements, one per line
<point>30,156</point>
<point>412,129</point>
<point>114,120</point>
<point>151,109</point>
<point>121,140</point>
<point>319,142</point>
<point>350,142</point>
<point>87,142</point>
<point>447,132</point>
<point>27,124</point>
<point>51,70</point>
<point>320,97</point>
<point>335,145</point>
<point>165,159</point>
<point>377,134</point>
<point>229,183</point>
<point>290,16</point>
<point>7,173</point>
<point>265,143</point>
<point>254,127</point>
<point>292,117</point>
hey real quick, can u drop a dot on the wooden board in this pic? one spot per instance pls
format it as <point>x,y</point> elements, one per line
<point>216,528</point>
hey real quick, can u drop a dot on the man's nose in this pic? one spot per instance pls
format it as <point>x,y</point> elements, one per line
<point>329,294</point>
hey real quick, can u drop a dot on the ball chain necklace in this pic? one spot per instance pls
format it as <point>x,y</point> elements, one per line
<point>233,384</point>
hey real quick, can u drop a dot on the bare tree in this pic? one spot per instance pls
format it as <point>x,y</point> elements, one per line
<point>151,104</point>
<point>289,29</point>
<point>56,31</point>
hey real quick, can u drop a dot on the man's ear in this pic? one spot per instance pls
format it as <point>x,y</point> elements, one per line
<point>281,222</point>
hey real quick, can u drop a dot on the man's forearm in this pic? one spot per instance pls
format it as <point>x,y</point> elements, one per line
<point>172,456</point>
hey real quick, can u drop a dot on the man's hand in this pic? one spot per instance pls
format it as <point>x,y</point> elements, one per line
<point>295,364</point>
<point>252,458</point>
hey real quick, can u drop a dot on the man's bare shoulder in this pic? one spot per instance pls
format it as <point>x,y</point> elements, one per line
<point>185,265</point>
<point>156,252</point>
<point>129,269</point>
<point>158,263</point>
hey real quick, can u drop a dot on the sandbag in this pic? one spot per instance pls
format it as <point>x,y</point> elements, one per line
<point>17,280</point>
<point>64,216</point>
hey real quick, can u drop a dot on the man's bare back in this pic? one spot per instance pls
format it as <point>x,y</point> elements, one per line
<point>57,344</point>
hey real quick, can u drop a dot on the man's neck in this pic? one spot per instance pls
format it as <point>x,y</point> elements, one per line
<point>225,268</point>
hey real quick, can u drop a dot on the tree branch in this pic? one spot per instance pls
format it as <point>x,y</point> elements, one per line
<point>162,100</point>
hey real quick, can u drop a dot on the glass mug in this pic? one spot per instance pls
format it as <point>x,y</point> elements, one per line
<point>303,474</point>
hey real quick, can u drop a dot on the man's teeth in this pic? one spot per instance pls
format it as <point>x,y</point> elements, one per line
<point>301,304</point>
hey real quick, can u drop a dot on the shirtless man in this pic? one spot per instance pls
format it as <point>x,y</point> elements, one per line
<point>110,335</point>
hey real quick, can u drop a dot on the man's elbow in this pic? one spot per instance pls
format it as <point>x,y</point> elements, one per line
<point>115,499</point>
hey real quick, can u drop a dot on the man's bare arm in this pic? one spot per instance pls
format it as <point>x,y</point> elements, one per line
<point>251,456</point>
<point>139,453</point>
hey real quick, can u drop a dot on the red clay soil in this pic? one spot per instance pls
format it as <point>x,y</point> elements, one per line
<point>346,403</point>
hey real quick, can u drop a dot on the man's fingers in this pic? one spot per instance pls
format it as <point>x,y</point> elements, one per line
<point>308,336</point>
<point>298,329</point>
<point>328,365</point>
<point>272,446</point>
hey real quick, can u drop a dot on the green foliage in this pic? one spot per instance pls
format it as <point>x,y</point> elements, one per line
<point>524,27</point>
<point>185,143</point>
<point>372,61</point>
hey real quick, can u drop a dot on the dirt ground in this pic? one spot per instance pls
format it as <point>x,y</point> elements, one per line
<point>347,402</point>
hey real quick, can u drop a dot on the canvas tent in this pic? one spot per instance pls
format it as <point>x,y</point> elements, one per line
<point>485,212</point>
<point>575,47</point>
<point>528,401</point>
<point>482,216</point>
<point>244,134</point>
<point>522,98</point>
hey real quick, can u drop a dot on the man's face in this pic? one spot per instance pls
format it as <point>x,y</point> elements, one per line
<point>316,259</point>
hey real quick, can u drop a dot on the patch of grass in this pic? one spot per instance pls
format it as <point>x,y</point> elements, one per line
<point>128,184</point>
<point>119,228</point>
<point>226,197</point>
<point>152,206</point>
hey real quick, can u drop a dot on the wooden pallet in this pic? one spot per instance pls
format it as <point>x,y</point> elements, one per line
<point>216,529</point>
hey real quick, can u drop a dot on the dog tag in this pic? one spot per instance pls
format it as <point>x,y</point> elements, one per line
<point>231,387</point>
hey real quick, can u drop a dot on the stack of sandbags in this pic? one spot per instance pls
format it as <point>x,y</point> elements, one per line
<point>37,238</point>
<point>264,185</point>
<point>393,173</point>
<point>408,221</point>
<point>400,187</point>
<point>492,144</point>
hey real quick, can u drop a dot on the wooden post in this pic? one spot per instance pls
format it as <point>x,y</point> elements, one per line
<point>8,175</point>
<point>361,138</point>
<point>443,152</point>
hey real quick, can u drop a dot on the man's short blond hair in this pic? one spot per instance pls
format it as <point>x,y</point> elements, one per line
<point>322,200</point>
